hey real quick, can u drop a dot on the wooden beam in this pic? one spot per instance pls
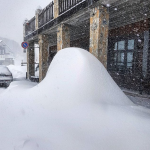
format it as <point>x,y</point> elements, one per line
<point>129,8</point>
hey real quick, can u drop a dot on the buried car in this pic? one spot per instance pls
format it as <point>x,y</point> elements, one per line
<point>5,76</point>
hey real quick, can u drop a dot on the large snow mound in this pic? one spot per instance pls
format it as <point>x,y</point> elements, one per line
<point>77,75</point>
<point>76,107</point>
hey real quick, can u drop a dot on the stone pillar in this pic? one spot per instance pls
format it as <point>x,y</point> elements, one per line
<point>43,56</point>
<point>99,26</point>
<point>37,18</point>
<point>63,37</point>
<point>30,60</point>
<point>56,8</point>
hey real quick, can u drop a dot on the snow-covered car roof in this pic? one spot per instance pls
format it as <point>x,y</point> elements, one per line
<point>4,70</point>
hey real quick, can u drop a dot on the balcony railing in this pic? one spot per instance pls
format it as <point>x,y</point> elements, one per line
<point>30,26</point>
<point>46,15</point>
<point>67,4</point>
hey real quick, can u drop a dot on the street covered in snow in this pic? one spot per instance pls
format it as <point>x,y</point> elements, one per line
<point>77,106</point>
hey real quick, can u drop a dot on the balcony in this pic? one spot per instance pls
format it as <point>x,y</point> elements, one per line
<point>46,17</point>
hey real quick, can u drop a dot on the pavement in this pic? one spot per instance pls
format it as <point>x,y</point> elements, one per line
<point>135,97</point>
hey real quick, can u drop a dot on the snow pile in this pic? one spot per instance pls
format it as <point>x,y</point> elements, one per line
<point>77,75</point>
<point>4,70</point>
<point>76,107</point>
<point>18,71</point>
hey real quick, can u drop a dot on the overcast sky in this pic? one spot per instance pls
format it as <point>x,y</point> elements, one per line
<point>13,14</point>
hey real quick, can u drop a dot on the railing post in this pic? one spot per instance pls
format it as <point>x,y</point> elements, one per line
<point>56,8</point>
<point>37,18</point>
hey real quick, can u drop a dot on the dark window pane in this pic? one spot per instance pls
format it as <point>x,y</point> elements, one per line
<point>115,48</point>
<point>121,57</point>
<point>115,57</point>
<point>130,44</point>
<point>121,45</point>
<point>129,57</point>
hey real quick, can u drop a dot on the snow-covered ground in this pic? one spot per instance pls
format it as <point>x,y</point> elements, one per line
<point>76,107</point>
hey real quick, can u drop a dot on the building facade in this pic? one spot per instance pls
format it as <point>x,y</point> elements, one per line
<point>116,33</point>
<point>6,58</point>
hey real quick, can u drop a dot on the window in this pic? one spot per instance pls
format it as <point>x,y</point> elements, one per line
<point>129,59</point>
<point>121,45</point>
<point>120,58</point>
<point>130,44</point>
<point>130,49</point>
<point>2,52</point>
<point>116,45</point>
<point>119,55</point>
<point>123,54</point>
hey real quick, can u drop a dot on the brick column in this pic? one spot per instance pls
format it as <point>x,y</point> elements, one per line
<point>99,26</point>
<point>43,56</point>
<point>30,60</point>
<point>63,37</point>
<point>56,8</point>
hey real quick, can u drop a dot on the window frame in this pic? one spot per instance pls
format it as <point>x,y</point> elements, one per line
<point>112,52</point>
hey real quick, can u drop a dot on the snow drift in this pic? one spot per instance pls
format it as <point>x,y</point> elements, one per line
<point>76,107</point>
<point>75,74</point>
<point>18,72</point>
<point>4,71</point>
